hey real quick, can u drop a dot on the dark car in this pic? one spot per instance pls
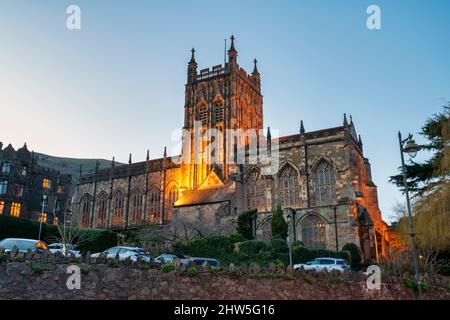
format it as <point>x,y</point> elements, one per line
<point>210,261</point>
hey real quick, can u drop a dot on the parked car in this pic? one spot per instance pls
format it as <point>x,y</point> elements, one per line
<point>201,261</point>
<point>124,253</point>
<point>319,264</point>
<point>69,248</point>
<point>169,256</point>
<point>23,245</point>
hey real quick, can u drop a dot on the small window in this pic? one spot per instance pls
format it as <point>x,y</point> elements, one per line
<point>46,183</point>
<point>59,189</point>
<point>2,206</point>
<point>55,220</point>
<point>6,168</point>
<point>24,171</point>
<point>18,191</point>
<point>3,186</point>
<point>15,209</point>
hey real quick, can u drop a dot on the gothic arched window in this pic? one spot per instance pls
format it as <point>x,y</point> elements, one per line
<point>155,211</point>
<point>256,186</point>
<point>136,207</point>
<point>85,210</point>
<point>203,114</point>
<point>6,168</point>
<point>218,112</point>
<point>172,197</point>
<point>118,205</point>
<point>324,184</point>
<point>289,187</point>
<point>265,231</point>
<point>102,205</point>
<point>313,232</point>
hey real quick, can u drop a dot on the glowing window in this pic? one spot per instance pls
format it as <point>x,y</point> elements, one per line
<point>59,189</point>
<point>15,209</point>
<point>46,183</point>
<point>55,220</point>
<point>42,217</point>
<point>2,206</point>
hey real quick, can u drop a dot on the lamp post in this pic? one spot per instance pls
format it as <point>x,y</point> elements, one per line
<point>409,146</point>
<point>336,228</point>
<point>44,198</point>
<point>287,218</point>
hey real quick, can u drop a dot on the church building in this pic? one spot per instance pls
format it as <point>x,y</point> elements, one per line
<point>228,165</point>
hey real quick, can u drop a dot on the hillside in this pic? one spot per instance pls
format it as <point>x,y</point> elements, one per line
<point>71,165</point>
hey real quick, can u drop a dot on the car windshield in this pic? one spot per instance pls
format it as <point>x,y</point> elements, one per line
<point>22,245</point>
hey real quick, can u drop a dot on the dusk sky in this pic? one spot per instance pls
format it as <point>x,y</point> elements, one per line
<point>117,85</point>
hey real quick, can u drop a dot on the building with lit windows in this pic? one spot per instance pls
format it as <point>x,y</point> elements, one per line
<point>23,184</point>
<point>322,177</point>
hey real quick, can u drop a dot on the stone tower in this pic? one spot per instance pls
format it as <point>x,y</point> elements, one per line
<point>221,105</point>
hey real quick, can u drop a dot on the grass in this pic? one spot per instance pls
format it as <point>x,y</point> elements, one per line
<point>144,266</point>
<point>36,270</point>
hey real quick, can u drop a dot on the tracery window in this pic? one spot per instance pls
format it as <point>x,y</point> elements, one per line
<point>155,195</point>
<point>136,207</point>
<point>118,205</point>
<point>102,204</point>
<point>289,187</point>
<point>172,197</point>
<point>324,184</point>
<point>256,185</point>
<point>313,232</point>
<point>219,112</point>
<point>85,210</point>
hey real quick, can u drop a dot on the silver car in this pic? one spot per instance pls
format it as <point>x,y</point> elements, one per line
<point>124,253</point>
<point>23,245</point>
<point>319,264</point>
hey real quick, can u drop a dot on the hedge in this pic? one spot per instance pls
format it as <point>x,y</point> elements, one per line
<point>236,249</point>
<point>355,254</point>
<point>93,240</point>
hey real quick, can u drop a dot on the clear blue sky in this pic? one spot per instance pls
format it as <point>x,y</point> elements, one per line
<point>117,85</point>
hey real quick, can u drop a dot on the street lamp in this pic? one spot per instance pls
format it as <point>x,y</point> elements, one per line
<point>44,198</point>
<point>410,147</point>
<point>287,217</point>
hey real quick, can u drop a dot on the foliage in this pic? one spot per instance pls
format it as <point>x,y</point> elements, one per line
<point>36,270</point>
<point>280,245</point>
<point>431,206</point>
<point>420,176</point>
<point>355,254</point>
<point>2,257</point>
<point>402,263</point>
<point>192,272</point>
<point>144,266</point>
<point>245,224</point>
<point>412,284</point>
<point>215,271</point>
<point>234,249</point>
<point>168,267</point>
<point>279,225</point>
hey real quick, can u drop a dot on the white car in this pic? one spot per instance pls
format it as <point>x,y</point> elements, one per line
<point>169,256</point>
<point>69,248</point>
<point>124,253</point>
<point>319,264</point>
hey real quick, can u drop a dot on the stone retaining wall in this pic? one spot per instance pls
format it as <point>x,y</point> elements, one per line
<point>28,276</point>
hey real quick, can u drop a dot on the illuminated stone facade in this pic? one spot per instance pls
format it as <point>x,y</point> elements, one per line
<point>321,177</point>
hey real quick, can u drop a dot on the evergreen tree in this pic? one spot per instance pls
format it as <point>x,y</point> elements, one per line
<point>245,224</point>
<point>279,225</point>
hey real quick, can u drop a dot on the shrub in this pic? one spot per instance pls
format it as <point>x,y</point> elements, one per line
<point>215,271</point>
<point>279,225</point>
<point>236,273</point>
<point>412,284</point>
<point>36,270</point>
<point>302,255</point>
<point>251,247</point>
<point>355,255</point>
<point>192,272</point>
<point>279,264</point>
<point>144,266</point>
<point>2,257</point>
<point>279,246</point>
<point>245,224</point>
<point>167,267</point>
